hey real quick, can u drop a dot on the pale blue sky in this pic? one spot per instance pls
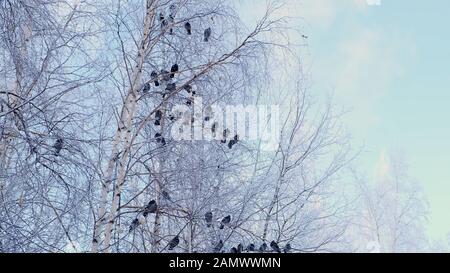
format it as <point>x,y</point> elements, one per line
<point>390,64</point>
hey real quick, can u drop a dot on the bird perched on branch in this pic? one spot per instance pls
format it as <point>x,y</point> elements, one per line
<point>275,247</point>
<point>225,136</point>
<point>233,250</point>
<point>287,248</point>
<point>59,143</point>
<point>251,247</point>
<point>233,142</point>
<point>263,247</point>
<point>208,218</point>
<point>151,207</point>
<point>165,75</point>
<point>240,248</point>
<point>171,87</point>
<point>188,88</point>
<point>174,69</point>
<point>164,22</point>
<point>188,28</point>
<point>218,247</point>
<point>225,221</point>
<point>134,225</point>
<point>166,195</point>
<point>207,34</point>
<point>146,88</point>
<point>174,242</point>
<point>154,78</point>
<point>158,137</point>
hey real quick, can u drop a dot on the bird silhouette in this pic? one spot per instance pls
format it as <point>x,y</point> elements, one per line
<point>59,143</point>
<point>251,247</point>
<point>287,248</point>
<point>263,247</point>
<point>174,242</point>
<point>134,225</point>
<point>158,114</point>
<point>174,69</point>
<point>207,34</point>
<point>151,207</point>
<point>225,221</point>
<point>275,247</point>
<point>214,127</point>
<point>158,137</point>
<point>154,78</point>
<point>208,218</point>
<point>165,75</point>
<point>188,88</point>
<point>218,247</point>
<point>166,195</point>
<point>188,28</point>
<point>146,88</point>
<point>240,248</point>
<point>171,87</point>
<point>233,250</point>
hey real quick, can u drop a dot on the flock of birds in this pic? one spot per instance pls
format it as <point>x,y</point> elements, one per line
<point>168,23</point>
<point>152,207</point>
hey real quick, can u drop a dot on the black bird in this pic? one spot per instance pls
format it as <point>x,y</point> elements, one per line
<point>171,87</point>
<point>158,115</point>
<point>158,137</point>
<point>154,77</point>
<point>225,221</point>
<point>166,195</point>
<point>188,28</point>
<point>188,88</point>
<point>207,34</point>
<point>251,247</point>
<point>287,248</point>
<point>275,247</point>
<point>173,10</point>
<point>214,127</point>
<point>225,136</point>
<point>240,248</point>
<point>59,143</point>
<point>157,122</point>
<point>146,88</point>
<point>151,207</point>
<point>233,250</point>
<point>172,22</point>
<point>161,17</point>
<point>174,242</point>
<point>163,141</point>
<point>208,218</point>
<point>174,69</point>
<point>134,225</point>
<point>165,75</point>
<point>218,247</point>
<point>164,24</point>
<point>263,247</point>
<point>233,142</point>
